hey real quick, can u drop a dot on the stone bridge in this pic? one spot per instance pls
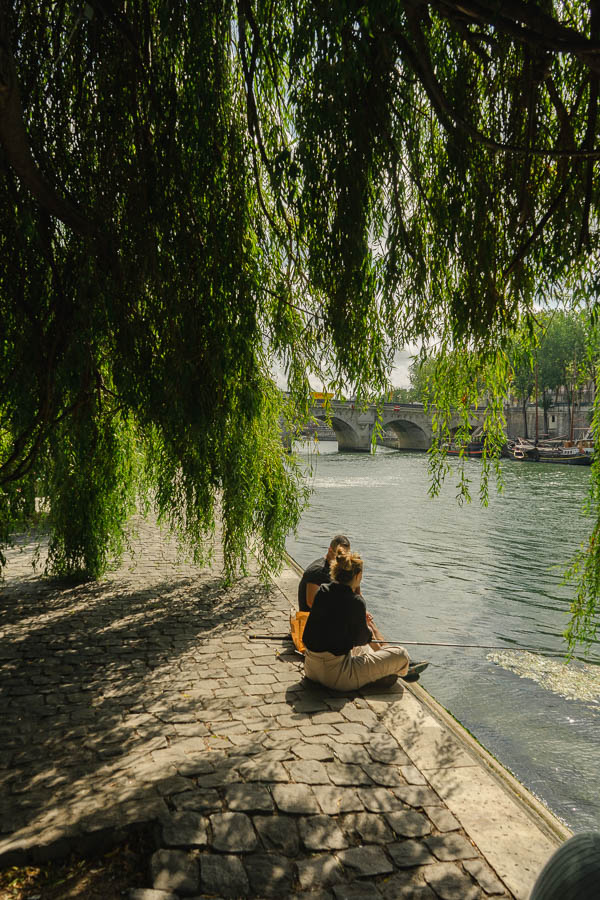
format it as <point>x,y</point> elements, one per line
<point>353,425</point>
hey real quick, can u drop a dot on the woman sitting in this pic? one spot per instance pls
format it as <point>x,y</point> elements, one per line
<point>341,652</point>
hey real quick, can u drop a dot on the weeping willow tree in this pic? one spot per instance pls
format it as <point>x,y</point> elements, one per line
<point>195,192</point>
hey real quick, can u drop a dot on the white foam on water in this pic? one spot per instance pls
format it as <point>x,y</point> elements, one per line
<point>573,680</point>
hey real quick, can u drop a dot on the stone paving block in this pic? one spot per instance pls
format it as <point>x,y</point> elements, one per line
<point>269,710</point>
<point>334,800</point>
<point>279,833</point>
<point>407,885</point>
<point>259,770</point>
<point>484,876</point>
<point>319,871</point>
<point>412,775</point>
<point>307,771</point>
<point>321,833</point>
<point>258,690</point>
<point>240,741</point>
<point>295,798</point>
<point>442,818</point>
<point>362,715</point>
<point>219,778</point>
<point>205,800</point>
<point>316,730</point>
<point>408,823</point>
<point>385,774</point>
<point>276,754</point>
<point>407,854</point>
<point>417,796</point>
<point>358,890</point>
<point>370,827</point>
<point>174,871</point>
<point>363,861</point>
<point>270,875</point>
<point>293,720</point>
<point>347,774</point>
<point>351,737</point>
<point>184,829</point>
<point>327,718</point>
<point>450,883</point>
<point>233,729</point>
<point>313,751</point>
<point>379,799</point>
<point>232,832</point>
<point>384,748</point>
<point>223,875</point>
<point>260,678</point>
<point>353,728</point>
<point>451,846</point>
<point>174,784</point>
<point>248,798</point>
<point>352,753</point>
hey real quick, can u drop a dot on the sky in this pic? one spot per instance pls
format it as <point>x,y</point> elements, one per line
<point>399,376</point>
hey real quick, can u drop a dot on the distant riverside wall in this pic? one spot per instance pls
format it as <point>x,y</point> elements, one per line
<point>558,417</point>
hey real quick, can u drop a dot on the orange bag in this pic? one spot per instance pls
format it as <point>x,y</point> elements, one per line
<point>297,624</point>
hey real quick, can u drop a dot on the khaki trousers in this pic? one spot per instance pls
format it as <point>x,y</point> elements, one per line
<point>361,666</point>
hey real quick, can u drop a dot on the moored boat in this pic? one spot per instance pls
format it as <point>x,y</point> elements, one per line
<point>473,448</point>
<point>561,452</point>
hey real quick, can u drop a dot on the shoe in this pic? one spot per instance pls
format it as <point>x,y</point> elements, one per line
<point>414,670</point>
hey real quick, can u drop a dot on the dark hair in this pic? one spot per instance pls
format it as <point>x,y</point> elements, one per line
<point>346,565</point>
<point>340,540</point>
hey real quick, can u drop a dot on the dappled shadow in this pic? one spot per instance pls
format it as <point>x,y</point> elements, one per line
<point>101,679</point>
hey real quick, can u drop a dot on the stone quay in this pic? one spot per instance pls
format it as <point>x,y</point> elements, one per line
<point>141,701</point>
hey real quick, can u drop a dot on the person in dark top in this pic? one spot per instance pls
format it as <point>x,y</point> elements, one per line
<point>318,573</point>
<point>344,649</point>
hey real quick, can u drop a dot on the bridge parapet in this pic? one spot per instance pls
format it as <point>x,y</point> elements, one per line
<point>353,424</point>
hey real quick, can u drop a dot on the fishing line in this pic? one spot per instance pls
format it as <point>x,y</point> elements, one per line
<point>285,637</point>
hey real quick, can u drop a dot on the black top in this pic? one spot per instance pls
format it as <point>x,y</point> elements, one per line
<point>316,573</point>
<point>337,621</point>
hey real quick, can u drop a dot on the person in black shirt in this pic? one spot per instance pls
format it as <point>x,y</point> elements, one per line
<point>318,573</point>
<point>344,649</point>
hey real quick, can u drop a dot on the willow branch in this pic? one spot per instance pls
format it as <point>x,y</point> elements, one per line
<point>525,22</point>
<point>420,62</point>
<point>15,142</point>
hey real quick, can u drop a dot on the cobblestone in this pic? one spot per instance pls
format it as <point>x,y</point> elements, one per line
<point>175,871</point>
<point>224,876</point>
<point>232,832</point>
<point>365,860</point>
<point>321,833</point>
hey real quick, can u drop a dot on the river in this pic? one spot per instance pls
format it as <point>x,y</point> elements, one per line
<point>436,571</point>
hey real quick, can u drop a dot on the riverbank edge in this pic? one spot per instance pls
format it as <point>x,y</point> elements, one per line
<point>541,816</point>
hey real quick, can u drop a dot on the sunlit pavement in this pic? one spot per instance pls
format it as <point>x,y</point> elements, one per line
<point>141,699</point>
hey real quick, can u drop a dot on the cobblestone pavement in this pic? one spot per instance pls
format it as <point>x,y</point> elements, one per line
<point>141,699</point>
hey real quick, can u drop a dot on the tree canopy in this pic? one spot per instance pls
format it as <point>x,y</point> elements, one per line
<point>192,191</point>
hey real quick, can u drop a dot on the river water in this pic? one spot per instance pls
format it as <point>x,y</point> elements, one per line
<point>436,571</point>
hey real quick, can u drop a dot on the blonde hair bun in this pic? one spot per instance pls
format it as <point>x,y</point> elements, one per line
<point>346,565</point>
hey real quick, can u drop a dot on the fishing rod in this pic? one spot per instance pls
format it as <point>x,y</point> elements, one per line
<point>284,637</point>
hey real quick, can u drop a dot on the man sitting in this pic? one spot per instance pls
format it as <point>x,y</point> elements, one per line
<point>317,573</point>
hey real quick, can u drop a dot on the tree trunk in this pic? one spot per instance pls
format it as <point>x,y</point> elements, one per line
<point>525,431</point>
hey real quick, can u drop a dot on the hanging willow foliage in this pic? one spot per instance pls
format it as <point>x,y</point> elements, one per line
<point>192,191</point>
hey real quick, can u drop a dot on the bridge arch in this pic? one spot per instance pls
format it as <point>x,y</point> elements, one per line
<point>409,435</point>
<point>347,436</point>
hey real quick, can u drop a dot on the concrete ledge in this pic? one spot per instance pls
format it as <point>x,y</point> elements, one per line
<point>542,817</point>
